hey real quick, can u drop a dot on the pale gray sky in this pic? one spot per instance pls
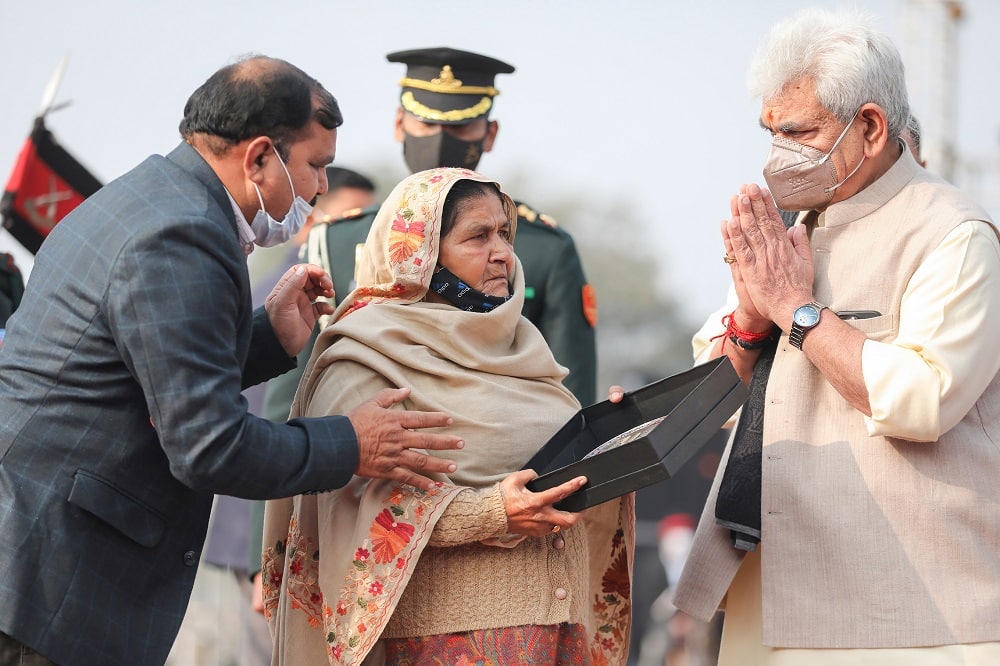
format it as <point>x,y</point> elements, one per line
<point>640,101</point>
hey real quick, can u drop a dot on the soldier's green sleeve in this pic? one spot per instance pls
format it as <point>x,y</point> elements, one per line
<point>564,323</point>
<point>256,545</point>
<point>332,247</point>
<point>280,390</point>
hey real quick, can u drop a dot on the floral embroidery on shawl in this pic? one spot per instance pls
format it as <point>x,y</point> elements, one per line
<point>410,247</point>
<point>405,238</point>
<point>612,606</point>
<point>388,536</point>
<point>301,556</point>
<point>382,564</point>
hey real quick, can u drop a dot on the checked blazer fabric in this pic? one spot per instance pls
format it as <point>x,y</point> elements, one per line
<point>121,415</point>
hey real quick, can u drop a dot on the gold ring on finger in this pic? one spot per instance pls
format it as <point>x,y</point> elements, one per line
<point>729,259</point>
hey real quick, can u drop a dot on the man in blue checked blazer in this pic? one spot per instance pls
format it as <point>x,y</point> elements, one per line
<point>121,372</point>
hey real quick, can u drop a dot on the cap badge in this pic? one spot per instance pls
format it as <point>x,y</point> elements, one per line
<point>446,79</point>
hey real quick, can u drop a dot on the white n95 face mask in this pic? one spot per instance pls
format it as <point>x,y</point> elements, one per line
<point>268,231</point>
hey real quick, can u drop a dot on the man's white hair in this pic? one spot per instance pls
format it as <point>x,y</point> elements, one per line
<point>850,61</point>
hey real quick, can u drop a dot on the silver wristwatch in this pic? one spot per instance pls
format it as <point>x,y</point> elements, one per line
<point>803,319</point>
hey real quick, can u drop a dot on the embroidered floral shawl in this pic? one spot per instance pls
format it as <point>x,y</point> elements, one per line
<point>336,564</point>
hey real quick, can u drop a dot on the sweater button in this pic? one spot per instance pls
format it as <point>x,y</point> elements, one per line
<point>190,558</point>
<point>560,593</point>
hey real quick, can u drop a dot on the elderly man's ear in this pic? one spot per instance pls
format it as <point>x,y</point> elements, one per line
<point>876,129</point>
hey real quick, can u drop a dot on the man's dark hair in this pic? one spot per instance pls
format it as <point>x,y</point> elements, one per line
<point>258,96</point>
<point>338,177</point>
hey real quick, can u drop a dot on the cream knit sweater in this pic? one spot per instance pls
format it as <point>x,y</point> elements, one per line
<point>460,585</point>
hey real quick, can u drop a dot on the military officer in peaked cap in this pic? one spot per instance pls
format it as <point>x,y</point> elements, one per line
<point>443,119</point>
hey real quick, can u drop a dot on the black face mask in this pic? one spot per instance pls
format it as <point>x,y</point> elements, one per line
<point>440,150</point>
<point>462,296</point>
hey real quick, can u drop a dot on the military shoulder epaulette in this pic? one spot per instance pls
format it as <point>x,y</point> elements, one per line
<point>347,215</point>
<point>352,213</point>
<point>531,215</point>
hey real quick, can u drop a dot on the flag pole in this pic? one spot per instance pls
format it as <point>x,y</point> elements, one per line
<point>47,181</point>
<point>49,96</point>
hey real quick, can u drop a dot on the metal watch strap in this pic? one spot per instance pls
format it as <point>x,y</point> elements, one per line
<point>798,334</point>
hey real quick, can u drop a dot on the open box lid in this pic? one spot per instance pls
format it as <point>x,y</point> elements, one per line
<point>644,439</point>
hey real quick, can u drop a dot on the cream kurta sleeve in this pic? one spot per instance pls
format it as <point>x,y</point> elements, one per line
<point>945,354</point>
<point>924,382</point>
<point>702,343</point>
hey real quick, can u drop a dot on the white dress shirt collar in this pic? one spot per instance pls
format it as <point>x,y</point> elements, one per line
<point>247,236</point>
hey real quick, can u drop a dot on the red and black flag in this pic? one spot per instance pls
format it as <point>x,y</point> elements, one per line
<point>46,184</point>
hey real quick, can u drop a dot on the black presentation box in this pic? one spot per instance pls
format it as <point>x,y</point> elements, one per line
<point>644,439</point>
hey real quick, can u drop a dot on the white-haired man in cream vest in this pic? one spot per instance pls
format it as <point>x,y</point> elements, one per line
<point>856,515</point>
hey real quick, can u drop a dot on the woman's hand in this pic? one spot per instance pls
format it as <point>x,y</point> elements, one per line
<point>532,514</point>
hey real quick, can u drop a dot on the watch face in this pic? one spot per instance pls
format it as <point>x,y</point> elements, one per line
<point>806,316</point>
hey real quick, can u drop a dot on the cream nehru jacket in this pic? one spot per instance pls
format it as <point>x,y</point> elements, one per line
<point>868,542</point>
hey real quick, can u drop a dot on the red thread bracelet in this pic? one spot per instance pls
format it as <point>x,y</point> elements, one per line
<point>743,339</point>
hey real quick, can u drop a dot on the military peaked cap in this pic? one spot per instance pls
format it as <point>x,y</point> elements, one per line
<point>447,86</point>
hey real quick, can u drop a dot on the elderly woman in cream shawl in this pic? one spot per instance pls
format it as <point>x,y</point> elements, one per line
<point>478,569</point>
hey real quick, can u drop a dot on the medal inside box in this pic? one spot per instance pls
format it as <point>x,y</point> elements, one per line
<point>644,439</point>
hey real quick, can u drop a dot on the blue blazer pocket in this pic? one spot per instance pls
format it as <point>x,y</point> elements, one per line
<point>118,509</point>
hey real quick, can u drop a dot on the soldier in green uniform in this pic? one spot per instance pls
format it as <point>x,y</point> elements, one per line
<point>443,120</point>
<point>348,201</point>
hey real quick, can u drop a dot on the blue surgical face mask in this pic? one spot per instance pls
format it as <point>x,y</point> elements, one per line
<point>269,231</point>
